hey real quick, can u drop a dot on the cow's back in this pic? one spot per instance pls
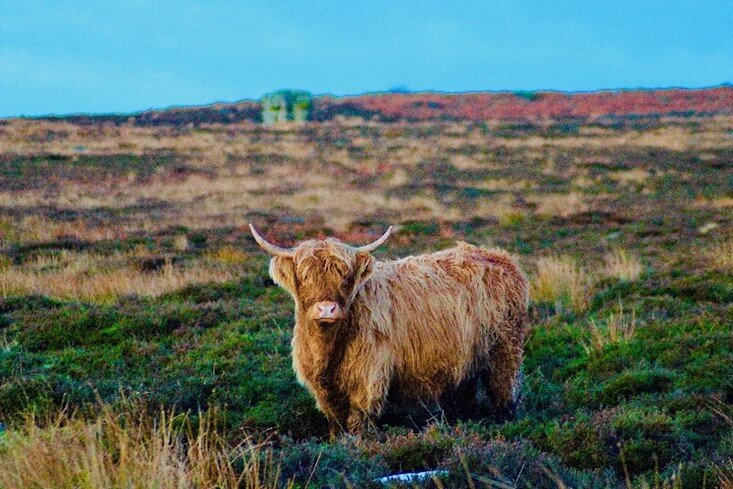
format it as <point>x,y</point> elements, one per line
<point>440,314</point>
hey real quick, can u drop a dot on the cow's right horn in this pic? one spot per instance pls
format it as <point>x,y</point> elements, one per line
<point>269,247</point>
<point>373,246</point>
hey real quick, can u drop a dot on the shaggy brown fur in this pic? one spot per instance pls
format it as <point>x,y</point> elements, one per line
<point>423,328</point>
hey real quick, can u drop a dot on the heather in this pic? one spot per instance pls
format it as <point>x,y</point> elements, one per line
<point>136,314</point>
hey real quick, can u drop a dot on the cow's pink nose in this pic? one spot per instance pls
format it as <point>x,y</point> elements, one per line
<point>326,310</point>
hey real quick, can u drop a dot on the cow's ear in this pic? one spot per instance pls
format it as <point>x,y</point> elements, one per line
<point>282,271</point>
<point>364,266</point>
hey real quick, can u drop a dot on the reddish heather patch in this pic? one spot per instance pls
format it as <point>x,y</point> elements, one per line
<point>530,105</point>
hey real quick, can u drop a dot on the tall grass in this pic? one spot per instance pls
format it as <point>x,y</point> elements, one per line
<point>726,476</point>
<point>621,264</point>
<point>559,280</point>
<point>725,470</point>
<point>103,278</point>
<point>130,451</point>
<point>34,229</point>
<point>616,327</point>
<point>720,255</point>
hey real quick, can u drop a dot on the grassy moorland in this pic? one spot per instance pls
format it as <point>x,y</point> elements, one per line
<point>141,339</point>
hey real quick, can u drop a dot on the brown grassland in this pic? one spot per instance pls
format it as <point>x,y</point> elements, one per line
<point>129,284</point>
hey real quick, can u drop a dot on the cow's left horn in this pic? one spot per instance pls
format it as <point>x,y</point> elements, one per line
<point>269,247</point>
<point>373,246</point>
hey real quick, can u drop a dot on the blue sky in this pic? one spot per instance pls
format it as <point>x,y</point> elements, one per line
<point>98,56</point>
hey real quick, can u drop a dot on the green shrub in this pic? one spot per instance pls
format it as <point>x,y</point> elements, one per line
<point>578,444</point>
<point>631,383</point>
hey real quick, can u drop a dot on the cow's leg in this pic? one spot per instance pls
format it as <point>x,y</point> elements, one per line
<point>351,415</point>
<point>334,428</point>
<point>357,422</point>
<point>335,406</point>
<point>502,375</point>
<point>369,400</point>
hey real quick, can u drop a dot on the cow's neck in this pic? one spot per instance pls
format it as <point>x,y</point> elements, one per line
<point>327,343</point>
<point>327,347</point>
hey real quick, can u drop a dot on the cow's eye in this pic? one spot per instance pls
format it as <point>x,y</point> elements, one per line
<point>346,284</point>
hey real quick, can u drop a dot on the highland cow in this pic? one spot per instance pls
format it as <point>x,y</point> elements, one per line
<point>425,328</point>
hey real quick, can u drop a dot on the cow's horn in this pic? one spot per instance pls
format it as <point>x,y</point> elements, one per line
<point>269,247</point>
<point>373,246</point>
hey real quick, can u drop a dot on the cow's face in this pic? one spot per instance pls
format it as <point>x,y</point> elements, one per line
<point>322,276</point>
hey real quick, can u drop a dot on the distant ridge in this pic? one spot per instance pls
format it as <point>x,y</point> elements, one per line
<point>436,106</point>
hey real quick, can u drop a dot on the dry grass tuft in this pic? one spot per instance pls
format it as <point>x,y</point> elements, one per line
<point>229,255</point>
<point>720,255</point>
<point>130,451</point>
<point>36,229</point>
<point>561,281</point>
<point>617,327</point>
<point>726,476</point>
<point>102,278</point>
<point>633,176</point>
<point>623,265</point>
<point>180,243</point>
<point>560,205</point>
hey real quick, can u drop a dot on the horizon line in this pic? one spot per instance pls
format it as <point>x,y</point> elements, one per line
<point>393,91</point>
